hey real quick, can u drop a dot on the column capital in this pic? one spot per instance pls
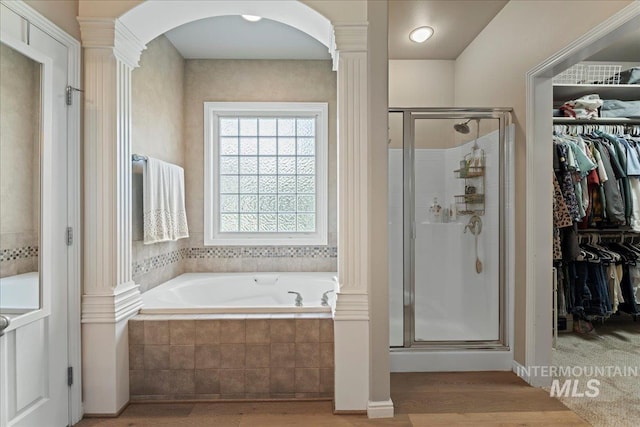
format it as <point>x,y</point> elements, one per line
<point>109,33</point>
<point>348,37</point>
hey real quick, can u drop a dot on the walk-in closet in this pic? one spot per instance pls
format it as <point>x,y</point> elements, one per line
<point>596,230</point>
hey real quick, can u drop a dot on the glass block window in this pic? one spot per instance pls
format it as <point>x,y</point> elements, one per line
<point>266,165</point>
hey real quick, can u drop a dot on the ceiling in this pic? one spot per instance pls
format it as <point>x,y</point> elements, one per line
<point>231,37</point>
<point>625,49</point>
<point>456,24</point>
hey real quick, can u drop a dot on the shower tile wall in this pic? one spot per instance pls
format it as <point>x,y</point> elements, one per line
<point>19,163</point>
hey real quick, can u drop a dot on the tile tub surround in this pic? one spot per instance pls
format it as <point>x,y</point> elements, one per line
<point>18,260</point>
<point>213,358</point>
<point>155,269</point>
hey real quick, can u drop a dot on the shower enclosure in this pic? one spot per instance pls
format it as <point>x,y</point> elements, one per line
<point>450,254</point>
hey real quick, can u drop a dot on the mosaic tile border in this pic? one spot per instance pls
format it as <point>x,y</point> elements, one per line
<point>147,265</point>
<point>263,252</point>
<point>14,254</point>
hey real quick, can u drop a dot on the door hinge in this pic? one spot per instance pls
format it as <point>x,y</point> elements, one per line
<point>70,376</point>
<point>70,90</point>
<point>69,236</point>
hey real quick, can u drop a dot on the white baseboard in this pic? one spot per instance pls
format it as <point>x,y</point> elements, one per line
<point>450,361</point>
<point>520,371</point>
<point>380,409</point>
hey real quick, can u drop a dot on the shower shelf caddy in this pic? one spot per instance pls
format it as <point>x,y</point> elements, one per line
<point>472,202</point>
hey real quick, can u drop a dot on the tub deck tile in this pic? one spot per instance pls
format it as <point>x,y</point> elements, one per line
<point>258,356</point>
<point>207,382</point>
<point>257,331</point>
<point>282,330</point>
<point>232,331</point>
<point>182,332</point>
<point>307,330</point>
<point>156,332</point>
<point>182,357</point>
<point>232,356</point>
<point>207,332</point>
<point>207,356</point>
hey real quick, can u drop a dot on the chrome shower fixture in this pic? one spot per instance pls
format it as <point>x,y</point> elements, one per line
<point>462,127</point>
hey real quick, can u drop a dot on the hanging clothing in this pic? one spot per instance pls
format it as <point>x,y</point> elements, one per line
<point>561,218</point>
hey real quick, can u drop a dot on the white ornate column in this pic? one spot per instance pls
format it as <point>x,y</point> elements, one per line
<point>351,320</point>
<point>110,297</point>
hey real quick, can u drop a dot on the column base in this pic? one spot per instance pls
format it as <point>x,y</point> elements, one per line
<point>105,348</point>
<point>382,409</point>
<point>105,367</point>
<point>351,334</point>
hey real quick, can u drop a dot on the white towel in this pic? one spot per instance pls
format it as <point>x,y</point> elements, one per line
<point>165,216</point>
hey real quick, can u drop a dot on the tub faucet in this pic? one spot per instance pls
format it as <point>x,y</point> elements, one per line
<point>325,298</point>
<point>298,298</point>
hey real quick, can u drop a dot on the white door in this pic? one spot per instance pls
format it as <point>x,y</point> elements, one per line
<point>34,348</point>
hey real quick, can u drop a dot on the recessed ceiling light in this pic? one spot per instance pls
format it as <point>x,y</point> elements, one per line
<point>252,18</point>
<point>421,34</point>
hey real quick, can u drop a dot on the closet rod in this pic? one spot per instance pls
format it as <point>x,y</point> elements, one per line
<point>600,121</point>
<point>608,230</point>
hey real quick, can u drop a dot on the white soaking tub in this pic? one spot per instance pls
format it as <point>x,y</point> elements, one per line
<point>205,293</point>
<point>20,293</point>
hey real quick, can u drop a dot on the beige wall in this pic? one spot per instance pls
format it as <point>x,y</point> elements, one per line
<point>491,72</point>
<point>252,80</point>
<point>63,13</point>
<point>379,386</point>
<point>157,99</point>
<point>422,83</point>
<point>156,131</point>
<point>19,152</point>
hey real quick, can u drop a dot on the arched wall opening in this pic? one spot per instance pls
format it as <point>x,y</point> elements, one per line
<point>171,14</point>
<point>112,50</point>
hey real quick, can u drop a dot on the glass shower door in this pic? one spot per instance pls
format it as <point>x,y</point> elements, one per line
<point>455,242</point>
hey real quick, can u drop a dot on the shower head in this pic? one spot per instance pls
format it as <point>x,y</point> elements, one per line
<point>462,127</point>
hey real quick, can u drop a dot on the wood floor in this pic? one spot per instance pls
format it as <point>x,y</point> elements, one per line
<point>420,399</point>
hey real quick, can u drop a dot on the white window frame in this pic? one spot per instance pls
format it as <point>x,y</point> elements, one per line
<point>212,112</point>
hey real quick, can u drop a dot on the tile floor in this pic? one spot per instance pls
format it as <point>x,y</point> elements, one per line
<point>423,399</point>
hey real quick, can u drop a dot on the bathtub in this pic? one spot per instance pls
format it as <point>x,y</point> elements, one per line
<point>206,293</point>
<point>20,293</point>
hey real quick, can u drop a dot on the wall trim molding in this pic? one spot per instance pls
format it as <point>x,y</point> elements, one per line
<point>108,33</point>
<point>33,16</point>
<point>74,287</point>
<point>382,409</point>
<point>539,191</point>
<point>520,371</point>
<point>351,307</point>
<point>124,302</point>
<point>347,37</point>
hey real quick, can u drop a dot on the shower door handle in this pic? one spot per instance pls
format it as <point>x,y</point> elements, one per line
<point>413,230</point>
